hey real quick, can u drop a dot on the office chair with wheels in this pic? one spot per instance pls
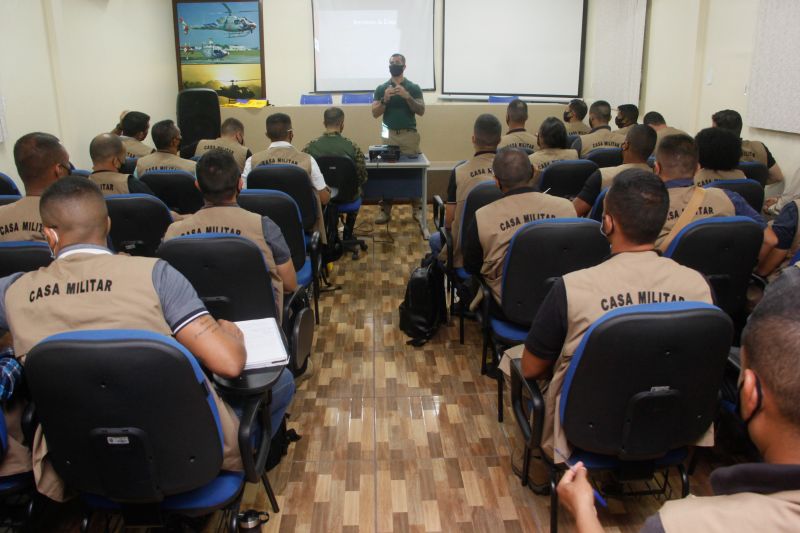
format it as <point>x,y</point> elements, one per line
<point>751,190</point>
<point>605,157</point>
<point>641,421</point>
<point>132,426</point>
<point>138,223</point>
<point>340,175</point>
<point>8,186</point>
<point>6,199</point>
<point>176,188</point>
<point>23,256</point>
<point>755,171</point>
<point>566,178</point>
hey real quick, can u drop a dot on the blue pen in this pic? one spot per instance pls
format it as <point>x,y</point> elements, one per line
<point>597,496</point>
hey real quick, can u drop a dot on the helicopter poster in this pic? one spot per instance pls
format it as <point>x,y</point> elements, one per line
<point>220,45</point>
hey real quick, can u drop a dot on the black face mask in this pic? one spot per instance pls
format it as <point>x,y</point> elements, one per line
<point>566,116</point>
<point>619,122</point>
<point>396,70</point>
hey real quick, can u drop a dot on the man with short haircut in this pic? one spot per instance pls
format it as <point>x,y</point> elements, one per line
<point>573,117</point>
<point>601,135</point>
<point>627,115</point>
<point>637,148</point>
<point>219,180</point>
<point>655,120</point>
<point>751,150</point>
<point>718,152</point>
<point>486,240</point>
<point>517,136</point>
<point>167,138</point>
<point>333,143</point>
<point>398,100</point>
<point>108,156</point>
<point>231,140</point>
<point>761,496</point>
<point>552,147</point>
<point>635,209</point>
<point>134,126</point>
<point>126,292</point>
<point>41,159</point>
<point>676,165</point>
<point>485,136</point>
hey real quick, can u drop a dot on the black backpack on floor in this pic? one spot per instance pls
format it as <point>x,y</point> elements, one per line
<point>424,307</point>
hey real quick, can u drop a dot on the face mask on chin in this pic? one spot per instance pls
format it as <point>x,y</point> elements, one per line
<point>396,70</point>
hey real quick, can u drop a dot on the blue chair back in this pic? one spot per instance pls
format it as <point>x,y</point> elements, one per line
<point>597,209</point>
<point>6,199</point>
<point>755,171</point>
<point>605,157</point>
<point>7,185</point>
<point>723,249</point>
<point>23,256</point>
<point>80,172</point>
<point>176,188</point>
<point>228,272</point>
<point>566,178</point>
<point>501,99</point>
<point>673,356</point>
<point>129,167</point>
<point>751,190</point>
<point>3,437</point>
<point>316,99</point>
<point>138,223</point>
<point>571,138</point>
<point>357,98</point>
<point>292,180</point>
<point>283,211</point>
<point>481,195</point>
<point>127,414</point>
<point>539,253</point>
<point>795,258</point>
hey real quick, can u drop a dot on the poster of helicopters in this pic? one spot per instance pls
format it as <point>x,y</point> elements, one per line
<point>220,45</point>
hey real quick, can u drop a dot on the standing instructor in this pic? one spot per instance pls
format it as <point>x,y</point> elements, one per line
<point>398,100</point>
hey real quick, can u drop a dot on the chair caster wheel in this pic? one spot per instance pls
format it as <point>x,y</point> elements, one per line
<point>363,247</point>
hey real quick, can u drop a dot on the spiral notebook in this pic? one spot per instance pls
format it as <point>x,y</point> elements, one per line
<point>264,343</point>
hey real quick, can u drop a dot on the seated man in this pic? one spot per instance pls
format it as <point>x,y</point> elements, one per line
<point>332,142</point>
<point>41,159</point>
<point>231,140</point>
<point>785,226</point>
<point>463,178</point>
<point>601,135</point>
<point>655,120</point>
<point>517,137</point>
<point>627,115</point>
<point>635,209</point>
<point>747,497</point>
<point>718,152</point>
<point>573,117</point>
<point>486,240</point>
<point>108,156</point>
<point>281,152</point>
<point>135,293</point>
<point>638,145</point>
<point>751,150</point>
<point>676,165</point>
<point>552,147</point>
<point>134,126</point>
<point>167,138</point>
<point>220,182</point>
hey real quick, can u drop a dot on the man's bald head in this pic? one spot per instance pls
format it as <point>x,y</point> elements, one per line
<point>106,147</point>
<point>75,208</point>
<point>512,168</point>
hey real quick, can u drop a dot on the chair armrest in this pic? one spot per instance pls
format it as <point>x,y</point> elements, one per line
<point>254,460</point>
<point>486,293</point>
<point>438,211</point>
<point>531,423</point>
<point>288,300</point>
<point>29,424</point>
<point>313,252</point>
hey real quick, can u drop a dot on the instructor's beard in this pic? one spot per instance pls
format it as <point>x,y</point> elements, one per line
<point>396,70</point>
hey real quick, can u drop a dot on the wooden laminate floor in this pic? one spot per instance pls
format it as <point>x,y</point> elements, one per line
<point>396,438</point>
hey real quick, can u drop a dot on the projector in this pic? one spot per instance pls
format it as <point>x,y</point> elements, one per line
<point>384,152</point>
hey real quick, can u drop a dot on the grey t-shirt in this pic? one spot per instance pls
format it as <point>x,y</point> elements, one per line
<point>275,241</point>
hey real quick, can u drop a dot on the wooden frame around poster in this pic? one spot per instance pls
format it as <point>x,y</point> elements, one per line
<point>205,30</point>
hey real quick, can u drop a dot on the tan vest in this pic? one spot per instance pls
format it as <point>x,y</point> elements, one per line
<point>236,221</point>
<point>666,132</point>
<point>468,175</point>
<point>705,176</point>
<point>87,291</point>
<point>577,128</point>
<point>744,512</point>
<point>518,139</point>
<point>715,204</point>
<point>754,151</point>
<point>624,131</point>
<point>110,182</point>
<point>230,146</point>
<point>607,174</point>
<point>541,159</point>
<point>134,148</point>
<point>601,138</point>
<point>282,155</point>
<point>498,221</point>
<point>626,279</point>
<point>164,161</point>
<point>21,221</point>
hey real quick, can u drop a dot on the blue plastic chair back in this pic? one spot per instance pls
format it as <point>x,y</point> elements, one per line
<point>357,98</point>
<point>597,209</point>
<point>316,99</point>
<point>7,185</point>
<point>501,99</point>
<point>6,199</point>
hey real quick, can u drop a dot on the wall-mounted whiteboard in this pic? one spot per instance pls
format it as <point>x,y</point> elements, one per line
<point>519,47</point>
<point>772,101</point>
<point>353,40</point>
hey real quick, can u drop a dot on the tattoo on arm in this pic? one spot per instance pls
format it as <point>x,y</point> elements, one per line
<point>208,324</point>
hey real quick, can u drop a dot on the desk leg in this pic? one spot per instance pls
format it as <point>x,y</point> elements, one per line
<point>423,216</point>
